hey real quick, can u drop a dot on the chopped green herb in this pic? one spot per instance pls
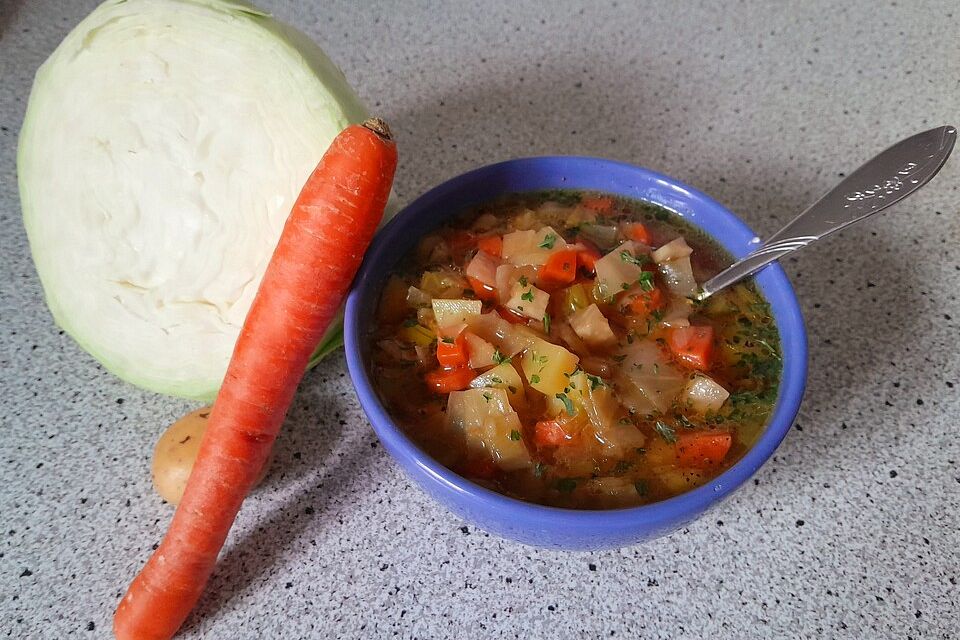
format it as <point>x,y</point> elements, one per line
<point>488,397</point>
<point>682,419</point>
<point>540,359</point>
<point>523,281</point>
<point>567,404</point>
<point>657,315</point>
<point>539,470</point>
<point>546,323</point>
<point>646,281</point>
<point>565,485</point>
<point>514,434</point>
<point>528,296</point>
<point>630,338</point>
<point>534,379</point>
<point>620,358</point>
<point>639,261</point>
<point>641,487</point>
<point>548,241</point>
<point>496,379</point>
<point>624,421</point>
<point>666,431</point>
<point>410,322</point>
<point>595,382</point>
<point>499,358</point>
<point>449,340</point>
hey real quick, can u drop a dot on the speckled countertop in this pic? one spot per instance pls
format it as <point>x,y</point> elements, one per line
<point>851,531</point>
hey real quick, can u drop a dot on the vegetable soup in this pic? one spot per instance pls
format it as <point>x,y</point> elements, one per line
<point>548,346</point>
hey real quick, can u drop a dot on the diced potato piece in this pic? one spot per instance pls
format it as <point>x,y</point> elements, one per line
<point>480,351</point>
<point>620,269</point>
<point>646,368</point>
<point>592,326</point>
<point>548,367</point>
<point>451,312</point>
<point>528,301</point>
<point>489,423</point>
<point>502,376</point>
<point>702,394</point>
<point>676,248</point>
<point>678,276</point>
<point>417,334</point>
<point>483,267</point>
<point>531,247</point>
<point>620,437</point>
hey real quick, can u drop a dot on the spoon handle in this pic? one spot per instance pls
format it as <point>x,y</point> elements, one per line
<point>884,180</point>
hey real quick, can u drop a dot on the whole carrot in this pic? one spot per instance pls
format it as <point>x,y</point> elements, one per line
<point>319,252</point>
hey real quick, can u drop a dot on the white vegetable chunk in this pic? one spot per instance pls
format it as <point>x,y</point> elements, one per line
<point>702,394</point>
<point>646,368</point>
<point>528,301</point>
<point>620,269</point>
<point>163,147</point>
<point>489,423</point>
<point>453,312</point>
<point>592,326</point>
<point>531,247</point>
<point>676,248</point>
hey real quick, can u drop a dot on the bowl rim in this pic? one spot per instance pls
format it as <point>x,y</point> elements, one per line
<point>789,322</point>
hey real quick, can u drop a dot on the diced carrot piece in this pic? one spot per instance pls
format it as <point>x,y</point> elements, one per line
<point>511,316</point>
<point>646,302</point>
<point>448,380</point>
<point>549,433</point>
<point>637,232</point>
<point>453,352</point>
<point>560,269</point>
<point>600,204</point>
<point>491,244</point>
<point>483,291</point>
<point>702,450</point>
<point>588,256</point>
<point>692,345</point>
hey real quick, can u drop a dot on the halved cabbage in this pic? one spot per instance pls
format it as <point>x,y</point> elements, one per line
<point>164,144</point>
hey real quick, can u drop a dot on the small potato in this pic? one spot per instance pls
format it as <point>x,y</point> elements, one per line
<point>176,451</point>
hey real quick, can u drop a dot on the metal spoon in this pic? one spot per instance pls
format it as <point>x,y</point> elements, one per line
<point>884,180</point>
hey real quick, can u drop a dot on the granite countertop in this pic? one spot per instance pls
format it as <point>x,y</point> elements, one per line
<point>851,531</point>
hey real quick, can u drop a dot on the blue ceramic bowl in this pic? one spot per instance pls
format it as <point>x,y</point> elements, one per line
<point>530,523</point>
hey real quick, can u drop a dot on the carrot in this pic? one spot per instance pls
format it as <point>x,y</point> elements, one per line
<point>549,433</point>
<point>692,345</point>
<point>491,244</point>
<point>559,270</point>
<point>319,251</point>
<point>702,450</point>
<point>483,290</point>
<point>646,302</point>
<point>452,352</point>
<point>450,379</point>
<point>637,232</point>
